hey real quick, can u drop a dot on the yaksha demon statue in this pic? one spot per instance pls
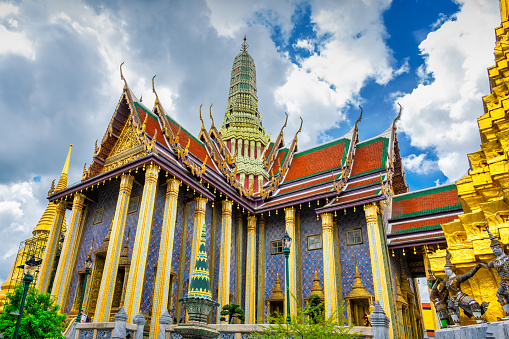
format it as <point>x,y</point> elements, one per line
<point>458,298</point>
<point>438,295</point>
<point>501,264</point>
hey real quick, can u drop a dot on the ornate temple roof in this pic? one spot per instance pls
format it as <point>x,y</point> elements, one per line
<point>417,216</point>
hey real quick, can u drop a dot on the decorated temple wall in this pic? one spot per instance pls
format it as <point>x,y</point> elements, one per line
<point>153,249</point>
<point>274,230</point>
<point>348,253</point>
<point>107,199</point>
<point>309,226</point>
<point>177,242</point>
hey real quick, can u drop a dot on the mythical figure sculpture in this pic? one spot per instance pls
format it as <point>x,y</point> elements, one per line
<point>501,264</point>
<point>438,295</point>
<point>457,298</point>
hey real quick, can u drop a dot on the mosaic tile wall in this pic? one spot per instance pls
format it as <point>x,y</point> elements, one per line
<point>244,262</point>
<point>274,230</point>
<point>153,249</point>
<point>233,256</point>
<point>349,253</point>
<point>309,226</point>
<point>216,259</point>
<point>177,243</point>
<point>107,199</point>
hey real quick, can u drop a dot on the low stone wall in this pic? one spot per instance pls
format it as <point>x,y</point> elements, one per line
<point>100,330</point>
<point>497,330</point>
<point>236,331</point>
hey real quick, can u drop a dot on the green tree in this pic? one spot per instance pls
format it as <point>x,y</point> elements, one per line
<point>40,316</point>
<point>309,323</point>
<point>315,309</point>
<point>232,311</point>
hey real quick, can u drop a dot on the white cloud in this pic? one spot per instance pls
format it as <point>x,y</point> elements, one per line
<point>441,112</point>
<point>326,82</point>
<point>21,207</point>
<point>13,40</point>
<point>305,44</point>
<point>7,9</point>
<point>418,164</point>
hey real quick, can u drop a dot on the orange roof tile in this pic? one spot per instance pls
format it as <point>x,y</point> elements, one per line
<point>317,160</point>
<point>434,200</point>
<point>421,225</point>
<point>370,156</point>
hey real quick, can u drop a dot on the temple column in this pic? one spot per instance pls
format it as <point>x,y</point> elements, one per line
<point>261,269</point>
<point>109,276</point>
<point>67,259</point>
<point>290,228</point>
<point>140,251</point>
<point>238,256</point>
<point>379,268</point>
<point>162,280</point>
<point>50,252</point>
<point>251,271</point>
<point>200,205</point>
<point>329,277</point>
<point>223,296</point>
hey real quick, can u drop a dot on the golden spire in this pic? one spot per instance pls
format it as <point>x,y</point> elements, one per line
<point>277,292</point>
<point>358,290</point>
<point>62,182</point>
<point>44,224</point>
<point>316,288</point>
<point>405,286</point>
<point>245,46</point>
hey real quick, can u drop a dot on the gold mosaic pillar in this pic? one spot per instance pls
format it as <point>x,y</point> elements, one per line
<point>200,205</point>
<point>109,276</point>
<point>251,271</point>
<point>223,296</point>
<point>379,268</point>
<point>238,255</point>
<point>67,261</point>
<point>162,279</point>
<point>51,248</point>
<point>290,228</point>
<point>329,269</point>
<point>261,270</point>
<point>140,251</point>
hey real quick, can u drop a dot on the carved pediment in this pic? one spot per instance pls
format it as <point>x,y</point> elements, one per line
<point>129,147</point>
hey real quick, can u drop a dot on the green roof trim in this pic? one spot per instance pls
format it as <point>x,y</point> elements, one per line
<point>271,144</point>
<point>425,192</point>
<point>426,212</point>
<point>418,229</point>
<point>385,146</point>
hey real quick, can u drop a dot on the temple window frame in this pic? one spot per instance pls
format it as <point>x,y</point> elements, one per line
<point>279,246</point>
<point>353,230</point>
<point>98,212</point>
<point>131,204</point>
<point>314,243</point>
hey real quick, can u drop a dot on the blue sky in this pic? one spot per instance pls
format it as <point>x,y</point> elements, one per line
<point>316,59</point>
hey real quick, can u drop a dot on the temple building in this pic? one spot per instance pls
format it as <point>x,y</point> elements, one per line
<point>358,234</point>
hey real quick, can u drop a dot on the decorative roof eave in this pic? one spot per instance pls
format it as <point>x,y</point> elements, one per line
<point>340,185</point>
<point>280,142</point>
<point>279,177</point>
<point>216,136</point>
<point>352,203</point>
<point>172,167</point>
<point>416,240</point>
<point>113,132</point>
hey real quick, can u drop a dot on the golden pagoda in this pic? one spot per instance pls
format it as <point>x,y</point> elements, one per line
<point>359,300</point>
<point>37,243</point>
<point>484,192</point>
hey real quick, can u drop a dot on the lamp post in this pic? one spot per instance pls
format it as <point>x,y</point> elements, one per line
<point>88,265</point>
<point>28,269</point>
<point>287,242</point>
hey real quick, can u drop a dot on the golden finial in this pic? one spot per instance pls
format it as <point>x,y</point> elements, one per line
<point>286,120</point>
<point>210,112</point>
<point>122,75</point>
<point>52,188</point>
<point>399,114</point>
<point>144,125</point>
<point>91,246</point>
<point>244,45</point>
<point>96,149</point>
<point>360,117</point>
<point>202,125</point>
<point>300,128</point>
<point>84,175</point>
<point>154,90</point>
<point>141,98</point>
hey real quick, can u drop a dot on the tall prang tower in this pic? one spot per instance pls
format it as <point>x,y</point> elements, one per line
<point>242,127</point>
